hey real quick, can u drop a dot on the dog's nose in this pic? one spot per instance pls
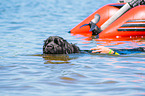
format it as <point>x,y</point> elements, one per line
<point>49,46</point>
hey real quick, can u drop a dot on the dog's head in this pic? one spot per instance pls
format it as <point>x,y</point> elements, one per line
<point>57,45</point>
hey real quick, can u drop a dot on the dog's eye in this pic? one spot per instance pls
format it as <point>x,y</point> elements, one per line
<point>49,41</point>
<point>56,41</point>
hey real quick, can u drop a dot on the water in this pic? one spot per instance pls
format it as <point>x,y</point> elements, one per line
<point>25,24</point>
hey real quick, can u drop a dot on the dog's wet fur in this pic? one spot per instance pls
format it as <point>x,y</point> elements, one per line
<point>58,45</point>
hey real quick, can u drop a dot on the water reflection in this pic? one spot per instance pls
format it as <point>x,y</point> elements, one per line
<point>57,58</point>
<point>116,42</point>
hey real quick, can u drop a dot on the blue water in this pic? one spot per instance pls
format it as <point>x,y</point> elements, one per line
<point>25,24</point>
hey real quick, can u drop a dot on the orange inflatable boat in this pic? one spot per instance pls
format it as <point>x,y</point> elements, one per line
<point>130,24</point>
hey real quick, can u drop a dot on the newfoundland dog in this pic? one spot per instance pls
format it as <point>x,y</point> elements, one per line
<point>57,45</point>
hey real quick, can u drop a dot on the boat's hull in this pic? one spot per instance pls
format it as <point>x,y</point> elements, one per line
<point>130,24</point>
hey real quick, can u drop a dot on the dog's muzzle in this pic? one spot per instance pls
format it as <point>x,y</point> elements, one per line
<point>49,47</point>
<point>53,48</point>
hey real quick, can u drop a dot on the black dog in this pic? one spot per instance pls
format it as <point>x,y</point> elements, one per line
<point>57,45</point>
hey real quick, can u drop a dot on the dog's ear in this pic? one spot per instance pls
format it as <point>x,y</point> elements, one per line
<point>62,41</point>
<point>71,48</point>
